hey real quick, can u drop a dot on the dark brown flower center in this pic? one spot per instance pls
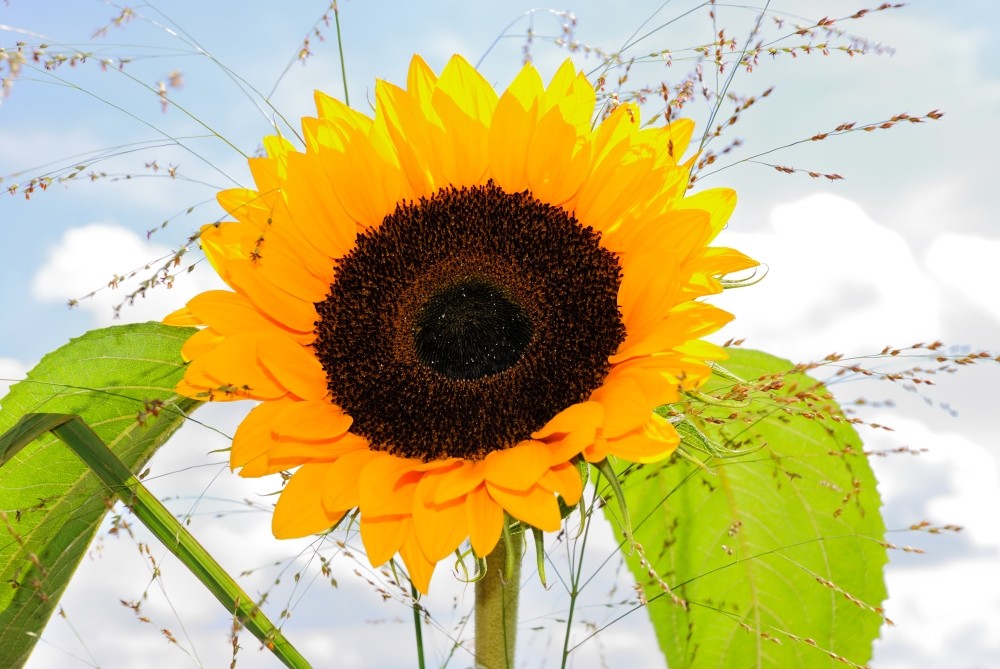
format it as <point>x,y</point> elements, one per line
<point>466,321</point>
<point>471,329</point>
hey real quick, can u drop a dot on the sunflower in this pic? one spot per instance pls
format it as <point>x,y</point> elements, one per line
<point>443,309</point>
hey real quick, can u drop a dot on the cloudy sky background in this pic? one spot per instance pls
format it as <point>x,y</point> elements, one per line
<point>902,250</point>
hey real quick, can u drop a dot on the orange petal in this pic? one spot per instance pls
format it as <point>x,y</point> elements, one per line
<point>382,537</point>
<point>458,482</point>
<point>485,521</point>
<point>311,421</point>
<point>653,442</point>
<point>686,322</point>
<point>518,467</point>
<point>294,366</point>
<point>596,452</point>
<point>566,481</point>
<point>292,312</point>
<point>626,407</point>
<point>340,487</point>
<point>439,528</point>
<point>228,312</point>
<point>234,363</point>
<point>288,268</point>
<point>579,417</point>
<point>200,342</point>
<point>387,486</point>
<point>320,220</point>
<point>226,241</point>
<point>536,506</point>
<point>286,455</point>
<point>299,511</point>
<point>419,568</point>
<point>182,318</point>
<point>568,446</point>
<point>253,435</point>
<point>648,290</point>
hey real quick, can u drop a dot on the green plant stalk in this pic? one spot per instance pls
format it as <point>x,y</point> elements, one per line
<point>418,627</point>
<point>340,48</point>
<point>496,603</point>
<point>76,434</point>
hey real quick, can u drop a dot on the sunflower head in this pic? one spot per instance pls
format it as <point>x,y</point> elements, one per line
<point>441,309</point>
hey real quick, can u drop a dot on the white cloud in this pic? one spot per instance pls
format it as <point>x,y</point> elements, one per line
<point>838,281</point>
<point>945,616</point>
<point>89,257</point>
<point>956,480</point>
<point>940,600</point>
<point>968,264</point>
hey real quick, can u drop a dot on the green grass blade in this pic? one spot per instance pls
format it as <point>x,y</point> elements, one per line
<point>76,434</point>
<point>120,380</point>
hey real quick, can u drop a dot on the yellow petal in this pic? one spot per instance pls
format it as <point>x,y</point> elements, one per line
<point>414,138</point>
<point>470,91</point>
<point>420,81</point>
<point>464,102</point>
<point>718,202</point>
<point>331,109</point>
<point>678,135</point>
<point>511,131</point>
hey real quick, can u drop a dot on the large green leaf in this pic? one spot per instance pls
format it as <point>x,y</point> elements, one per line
<point>777,551</point>
<point>120,380</point>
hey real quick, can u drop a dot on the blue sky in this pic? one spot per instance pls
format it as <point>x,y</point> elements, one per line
<point>901,250</point>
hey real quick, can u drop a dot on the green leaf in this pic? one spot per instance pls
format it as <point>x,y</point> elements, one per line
<point>773,550</point>
<point>120,380</point>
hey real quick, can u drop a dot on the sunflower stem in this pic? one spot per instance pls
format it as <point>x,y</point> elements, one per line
<point>496,603</point>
